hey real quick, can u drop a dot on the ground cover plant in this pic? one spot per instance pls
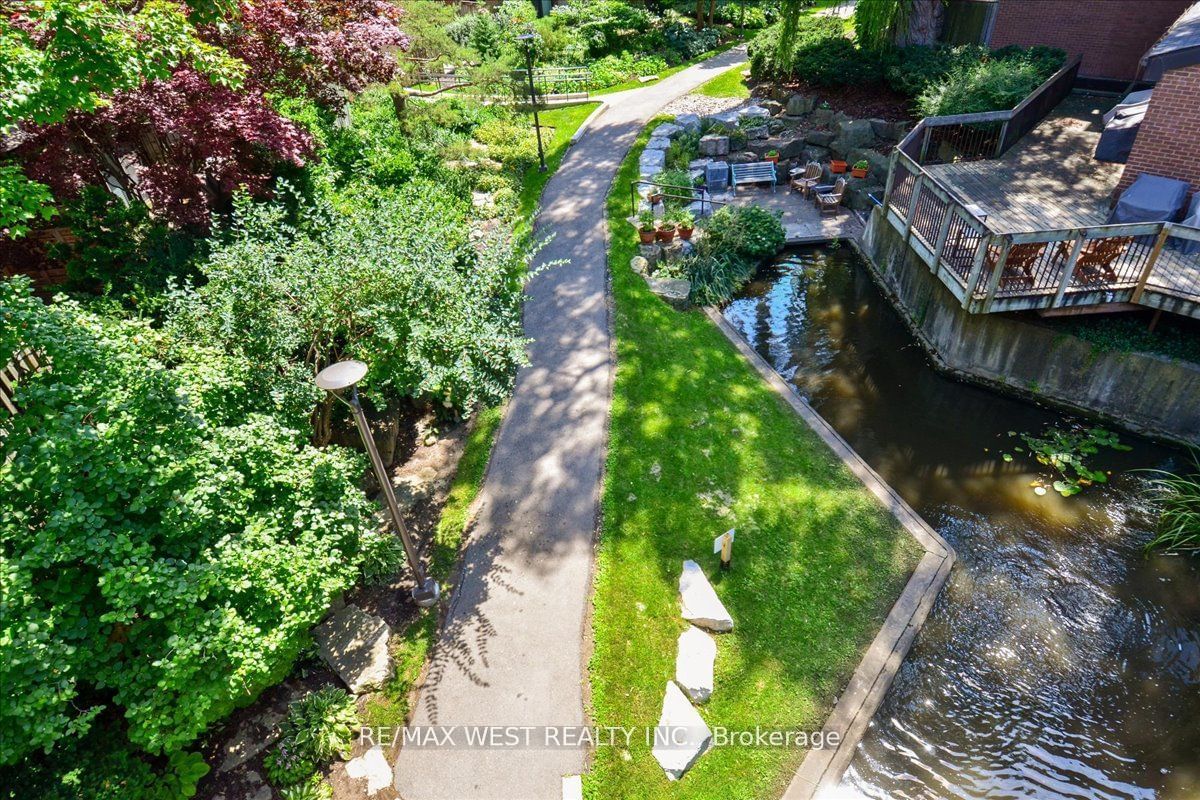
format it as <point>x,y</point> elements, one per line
<point>699,445</point>
<point>1177,496</point>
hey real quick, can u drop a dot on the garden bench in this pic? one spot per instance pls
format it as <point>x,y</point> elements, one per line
<point>754,172</point>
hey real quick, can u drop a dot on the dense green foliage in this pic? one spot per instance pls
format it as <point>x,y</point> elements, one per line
<point>168,535</point>
<point>319,726</point>
<point>700,444</point>
<point>736,240</point>
<point>1066,451</point>
<point>940,79</point>
<point>1177,496</point>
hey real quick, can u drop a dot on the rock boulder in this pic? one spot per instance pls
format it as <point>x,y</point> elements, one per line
<point>714,145</point>
<point>689,122</point>
<point>701,606</point>
<point>355,646</point>
<point>667,130</point>
<point>694,660</point>
<point>681,736</point>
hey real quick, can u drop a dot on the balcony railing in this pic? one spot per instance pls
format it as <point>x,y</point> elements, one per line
<point>1144,263</point>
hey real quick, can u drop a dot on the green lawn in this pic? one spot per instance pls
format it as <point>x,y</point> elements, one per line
<point>558,126</point>
<point>700,444</point>
<point>728,84</point>
<point>634,83</point>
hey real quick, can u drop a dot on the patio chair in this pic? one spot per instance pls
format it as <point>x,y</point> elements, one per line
<point>1096,258</point>
<point>1018,267</point>
<point>806,179</point>
<point>829,200</point>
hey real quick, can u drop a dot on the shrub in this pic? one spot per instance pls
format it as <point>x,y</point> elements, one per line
<point>382,556</point>
<point>687,41</point>
<point>766,62</point>
<point>736,240</point>
<point>1177,496</point>
<point>604,25</point>
<point>616,69</point>
<point>480,32</point>
<point>318,727</point>
<point>166,552</point>
<point>987,86</point>
<point>313,789</point>
<point>916,68</point>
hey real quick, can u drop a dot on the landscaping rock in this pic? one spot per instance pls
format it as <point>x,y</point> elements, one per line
<point>372,766</point>
<point>652,162</point>
<point>689,122</point>
<point>754,112</point>
<point>820,138</point>
<point>821,117</point>
<point>674,291</point>
<point>773,107</point>
<point>681,736</point>
<point>746,157</point>
<point>640,264</point>
<point>701,606</point>
<point>798,105</point>
<point>891,131</point>
<point>727,120</point>
<point>699,163</point>
<point>713,145</point>
<point>667,130</point>
<point>355,645</point>
<point>650,252</point>
<point>852,134</point>
<point>694,659</point>
<point>791,148</point>
<point>757,132</point>
<point>814,153</point>
<point>879,163</point>
<point>658,143</point>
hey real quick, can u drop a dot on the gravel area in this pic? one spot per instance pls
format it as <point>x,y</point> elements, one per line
<point>702,104</point>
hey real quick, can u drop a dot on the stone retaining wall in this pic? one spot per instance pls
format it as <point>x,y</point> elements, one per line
<point>1147,393</point>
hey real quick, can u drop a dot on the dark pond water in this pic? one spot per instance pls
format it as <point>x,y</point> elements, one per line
<point>1059,662</point>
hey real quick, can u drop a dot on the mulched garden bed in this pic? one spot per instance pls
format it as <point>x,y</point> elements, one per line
<point>859,102</point>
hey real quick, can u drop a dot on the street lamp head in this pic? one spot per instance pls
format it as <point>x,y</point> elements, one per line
<point>341,375</point>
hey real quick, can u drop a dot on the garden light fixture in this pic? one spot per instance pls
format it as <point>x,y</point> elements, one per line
<point>528,38</point>
<point>336,379</point>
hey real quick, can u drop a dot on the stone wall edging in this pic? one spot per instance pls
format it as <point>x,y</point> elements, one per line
<point>879,665</point>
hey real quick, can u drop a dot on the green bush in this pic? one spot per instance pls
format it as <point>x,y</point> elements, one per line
<point>392,278</point>
<point>736,240</point>
<point>916,68</point>
<point>616,69</point>
<point>318,727</point>
<point>102,765</point>
<point>986,86</point>
<point>165,552</point>
<point>812,34</point>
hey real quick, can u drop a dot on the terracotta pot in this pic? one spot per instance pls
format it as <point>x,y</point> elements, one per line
<point>772,159</point>
<point>647,236</point>
<point>666,233</point>
<point>685,233</point>
<point>837,167</point>
<point>858,173</point>
<point>654,198</point>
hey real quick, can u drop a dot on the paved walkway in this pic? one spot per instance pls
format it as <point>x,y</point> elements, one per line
<point>512,649</point>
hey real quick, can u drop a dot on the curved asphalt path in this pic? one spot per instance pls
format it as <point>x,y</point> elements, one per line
<point>511,651</point>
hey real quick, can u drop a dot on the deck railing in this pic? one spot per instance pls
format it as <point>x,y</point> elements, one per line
<point>1143,263</point>
<point>970,137</point>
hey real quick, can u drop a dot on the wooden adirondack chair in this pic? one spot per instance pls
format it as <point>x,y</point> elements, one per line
<point>807,179</point>
<point>1096,258</point>
<point>1018,268</point>
<point>829,201</point>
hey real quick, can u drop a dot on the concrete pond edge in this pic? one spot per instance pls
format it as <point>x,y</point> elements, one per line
<point>823,769</point>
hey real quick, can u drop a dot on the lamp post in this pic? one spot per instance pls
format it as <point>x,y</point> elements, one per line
<point>527,38</point>
<point>336,379</point>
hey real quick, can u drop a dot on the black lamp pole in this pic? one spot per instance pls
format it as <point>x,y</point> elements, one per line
<point>537,124</point>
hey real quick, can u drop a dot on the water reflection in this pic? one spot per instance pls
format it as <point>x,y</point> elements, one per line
<point>1058,662</point>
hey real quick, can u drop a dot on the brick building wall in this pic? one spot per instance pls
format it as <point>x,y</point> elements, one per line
<point>1112,35</point>
<point>1168,142</point>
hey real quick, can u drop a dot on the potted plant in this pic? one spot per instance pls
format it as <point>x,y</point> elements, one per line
<point>655,197</point>
<point>666,231</point>
<point>772,156</point>
<point>859,170</point>
<point>837,166</point>
<point>646,227</point>
<point>685,223</point>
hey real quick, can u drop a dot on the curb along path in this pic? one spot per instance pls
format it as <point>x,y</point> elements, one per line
<point>511,650</point>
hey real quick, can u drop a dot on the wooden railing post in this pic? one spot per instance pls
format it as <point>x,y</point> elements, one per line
<point>894,159</point>
<point>997,271</point>
<point>924,144</point>
<point>1068,272</point>
<point>1003,136</point>
<point>1150,262</point>
<point>943,234</point>
<point>985,242</point>
<point>915,198</point>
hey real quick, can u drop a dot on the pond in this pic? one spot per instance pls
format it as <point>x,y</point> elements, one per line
<point>1059,661</point>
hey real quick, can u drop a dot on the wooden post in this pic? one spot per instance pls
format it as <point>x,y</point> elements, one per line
<point>997,271</point>
<point>726,551</point>
<point>943,234</point>
<point>891,179</point>
<point>985,242</point>
<point>1150,262</point>
<point>912,206</point>
<point>1000,141</point>
<point>1068,272</point>
<point>924,145</point>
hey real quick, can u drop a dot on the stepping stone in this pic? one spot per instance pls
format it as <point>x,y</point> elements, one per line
<point>374,767</point>
<point>355,645</point>
<point>681,736</point>
<point>572,787</point>
<point>652,162</point>
<point>694,660</point>
<point>701,606</point>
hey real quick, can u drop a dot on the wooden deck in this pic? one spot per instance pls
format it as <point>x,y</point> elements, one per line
<point>1048,180</point>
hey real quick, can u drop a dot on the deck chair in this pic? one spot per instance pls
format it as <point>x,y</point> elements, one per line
<point>829,199</point>
<point>1096,258</point>
<point>805,180</point>
<point>1018,267</point>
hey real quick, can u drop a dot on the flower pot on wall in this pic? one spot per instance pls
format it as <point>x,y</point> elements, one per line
<point>837,167</point>
<point>685,232</point>
<point>646,236</point>
<point>666,233</point>
<point>858,172</point>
